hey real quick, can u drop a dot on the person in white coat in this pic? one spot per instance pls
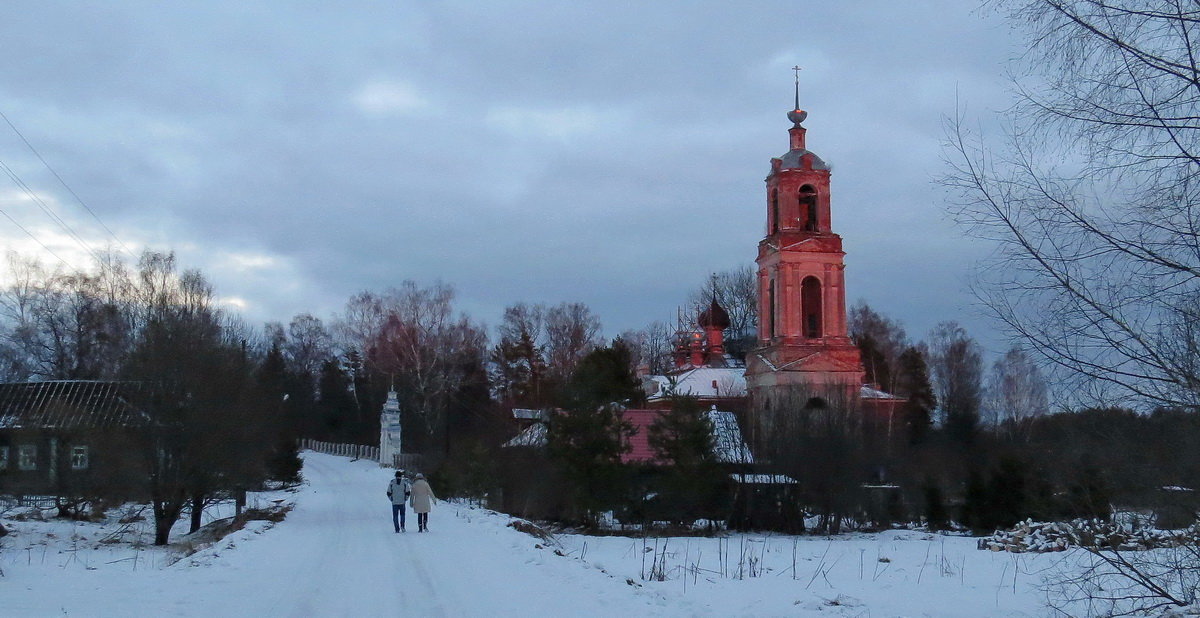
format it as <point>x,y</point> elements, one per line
<point>422,502</point>
<point>398,490</point>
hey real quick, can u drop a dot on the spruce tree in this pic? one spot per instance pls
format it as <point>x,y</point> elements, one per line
<point>691,484</point>
<point>912,381</point>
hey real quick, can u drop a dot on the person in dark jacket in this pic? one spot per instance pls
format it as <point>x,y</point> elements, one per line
<point>398,490</point>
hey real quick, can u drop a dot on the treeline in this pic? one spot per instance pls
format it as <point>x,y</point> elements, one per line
<point>237,397</point>
<point>207,425</point>
<point>972,446</point>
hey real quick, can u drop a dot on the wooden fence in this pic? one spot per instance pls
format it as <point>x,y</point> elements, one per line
<point>355,451</point>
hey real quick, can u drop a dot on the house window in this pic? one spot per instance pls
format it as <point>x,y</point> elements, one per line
<point>27,457</point>
<point>79,457</point>
<point>3,457</point>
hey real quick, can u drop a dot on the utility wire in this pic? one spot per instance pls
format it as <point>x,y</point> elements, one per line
<point>35,239</point>
<point>46,209</point>
<point>64,183</point>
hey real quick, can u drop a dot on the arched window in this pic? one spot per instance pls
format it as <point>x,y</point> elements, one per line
<point>774,210</point>
<point>810,307</point>
<point>808,207</point>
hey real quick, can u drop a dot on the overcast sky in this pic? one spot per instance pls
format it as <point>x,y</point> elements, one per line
<point>611,153</point>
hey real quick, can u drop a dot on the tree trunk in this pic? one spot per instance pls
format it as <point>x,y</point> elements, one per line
<point>197,511</point>
<point>165,515</point>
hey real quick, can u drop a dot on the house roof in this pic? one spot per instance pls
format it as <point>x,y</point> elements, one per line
<point>869,392</point>
<point>763,479</point>
<point>533,435</point>
<point>525,414</point>
<point>67,404</point>
<point>729,445</point>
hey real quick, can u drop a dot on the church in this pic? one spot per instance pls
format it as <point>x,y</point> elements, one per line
<point>803,339</point>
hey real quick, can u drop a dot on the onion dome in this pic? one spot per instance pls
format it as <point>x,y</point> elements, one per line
<point>713,317</point>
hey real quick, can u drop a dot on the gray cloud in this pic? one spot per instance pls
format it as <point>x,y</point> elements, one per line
<point>611,153</point>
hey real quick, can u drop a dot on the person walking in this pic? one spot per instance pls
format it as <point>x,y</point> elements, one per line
<point>422,499</point>
<point>399,490</point>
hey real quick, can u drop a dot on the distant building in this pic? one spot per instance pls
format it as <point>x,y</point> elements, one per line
<point>702,368</point>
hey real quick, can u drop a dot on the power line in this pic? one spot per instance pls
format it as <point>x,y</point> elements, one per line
<point>46,209</point>
<point>64,183</point>
<point>35,239</point>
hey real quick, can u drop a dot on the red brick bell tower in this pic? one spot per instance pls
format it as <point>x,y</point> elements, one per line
<point>802,333</point>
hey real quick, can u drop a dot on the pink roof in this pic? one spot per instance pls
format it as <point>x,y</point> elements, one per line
<point>639,443</point>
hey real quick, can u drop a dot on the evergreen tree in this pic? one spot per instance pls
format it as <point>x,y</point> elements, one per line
<point>604,376</point>
<point>691,484</point>
<point>935,506</point>
<point>335,405</point>
<point>1008,501</point>
<point>587,445</point>
<point>519,370</point>
<point>975,504</point>
<point>912,381</point>
<point>878,371</point>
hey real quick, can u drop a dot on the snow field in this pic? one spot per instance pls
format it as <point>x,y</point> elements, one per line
<point>336,555</point>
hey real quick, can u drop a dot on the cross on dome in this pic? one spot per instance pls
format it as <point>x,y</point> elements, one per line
<point>797,115</point>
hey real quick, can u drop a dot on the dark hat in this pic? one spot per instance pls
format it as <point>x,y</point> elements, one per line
<point>399,472</point>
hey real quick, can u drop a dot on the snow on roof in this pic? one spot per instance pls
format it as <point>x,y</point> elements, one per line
<point>533,435</point>
<point>730,447</point>
<point>763,479</point>
<point>702,382</point>
<point>526,414</point>
<point>67,404</point>
<point>869,392</point>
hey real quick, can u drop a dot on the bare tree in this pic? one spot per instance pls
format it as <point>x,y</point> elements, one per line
<point>736,290</point>
<point>957,368</point>
<point>1108,581</point>
<point>881,341</point>
<point>413,334</point>
<point>1094,199</point>
<point>308,344</point>
<point>1016,392</point>
<point>572,330</point>
<point>60,325</point>
<point>652,346</point>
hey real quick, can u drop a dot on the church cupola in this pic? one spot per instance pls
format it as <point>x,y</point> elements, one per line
<point>713,321</point>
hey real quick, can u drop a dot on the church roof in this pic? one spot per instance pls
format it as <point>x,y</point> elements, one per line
<point>715,316</point>
<point>791,160</point>
<point>703,382</point>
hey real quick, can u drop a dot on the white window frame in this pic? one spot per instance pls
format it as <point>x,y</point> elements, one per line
<point>27,457</point>
<point>3,457</point>
<point>79,457</point>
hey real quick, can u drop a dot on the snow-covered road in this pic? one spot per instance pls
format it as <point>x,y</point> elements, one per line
<point>337,555</point>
